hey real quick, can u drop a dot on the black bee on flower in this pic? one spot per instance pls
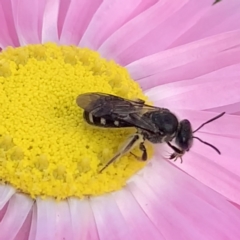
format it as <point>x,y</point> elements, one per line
<point>153,124</point>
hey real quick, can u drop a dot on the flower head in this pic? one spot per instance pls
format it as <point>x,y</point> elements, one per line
<point>185,57</point>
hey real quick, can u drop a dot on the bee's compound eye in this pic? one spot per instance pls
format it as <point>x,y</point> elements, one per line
<point>184,136</point>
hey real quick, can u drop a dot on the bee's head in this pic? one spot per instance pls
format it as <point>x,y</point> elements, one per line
<point>184,138</point>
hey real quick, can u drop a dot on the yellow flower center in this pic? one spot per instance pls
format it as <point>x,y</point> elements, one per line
<point>46,148</point>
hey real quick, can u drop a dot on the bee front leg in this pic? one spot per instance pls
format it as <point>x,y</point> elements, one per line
<point>177,153</point>
<point>144,154</point>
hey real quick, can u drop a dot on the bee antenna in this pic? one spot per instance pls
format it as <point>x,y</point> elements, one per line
<point>211,120</point>
<point>206,143</point>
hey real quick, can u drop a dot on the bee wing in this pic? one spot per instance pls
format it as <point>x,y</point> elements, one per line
<point>140,121</point>
<point>89,101</point>
<point>102,105</point>
<point>132,112</point>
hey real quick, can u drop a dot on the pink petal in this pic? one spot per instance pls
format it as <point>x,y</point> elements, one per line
<point>100,28</point>
<point>231,108</point>
<point>8,36</point>
<point>44,220</point>
<point>220,18</point>
<point>3,211</point>
<point>207,94</point>
<point>33,229</point>
<point>109,220</point>
<point>16,214</point>
<point>162,212</point>
<point>165,32</point>
<point>28,15</point>
<point>63,9</point>
<point>23,233</point>
<point>172,60</point>
<point>193,69</point>
<point>77,19</point>
<point>231,71</point>
<point>139,27</point>
<point>6,193</point>
<point>83,222</point>
<point>135,216</point>
<point>50,18</point>
<point>63,221</point>
<point>5,39</point>
<point>173,200</point>
<point>220,173</point>
<point>180,87</point>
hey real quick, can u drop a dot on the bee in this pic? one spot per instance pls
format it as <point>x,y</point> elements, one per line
<point>153,124</point>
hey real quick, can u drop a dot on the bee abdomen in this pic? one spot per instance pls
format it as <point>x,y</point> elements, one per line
<point>106,121</point>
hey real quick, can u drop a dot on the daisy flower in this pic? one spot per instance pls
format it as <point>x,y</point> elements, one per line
<point>181,55</point>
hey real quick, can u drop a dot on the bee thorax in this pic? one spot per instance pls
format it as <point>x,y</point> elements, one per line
<point>156,137</point>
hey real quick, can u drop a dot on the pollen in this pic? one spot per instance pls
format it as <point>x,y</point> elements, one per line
<point>46,147</point>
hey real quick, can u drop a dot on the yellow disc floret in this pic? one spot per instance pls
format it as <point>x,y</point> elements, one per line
<point>46,148</point>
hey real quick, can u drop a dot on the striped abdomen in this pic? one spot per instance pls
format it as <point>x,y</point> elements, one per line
<point>106,121</point>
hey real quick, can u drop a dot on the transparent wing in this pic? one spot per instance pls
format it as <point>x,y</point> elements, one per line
<point>132,112</point>
<point>107,103</point>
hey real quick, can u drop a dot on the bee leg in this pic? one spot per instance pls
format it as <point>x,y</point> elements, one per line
<point>144,154</point>
<point>130,144</point>
<point>111,161</point>
<point>177,153</point>
<point>175,149</point>
<point>175,157</point>
<point>137,157</point>
<point>144,150</point>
